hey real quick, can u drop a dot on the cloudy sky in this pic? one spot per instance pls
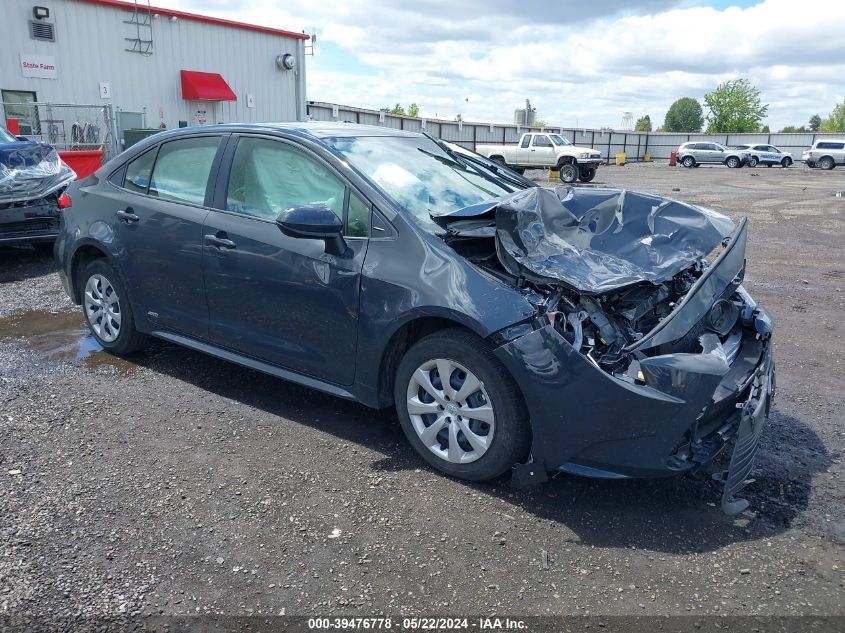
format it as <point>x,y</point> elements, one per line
<point>581,63</point>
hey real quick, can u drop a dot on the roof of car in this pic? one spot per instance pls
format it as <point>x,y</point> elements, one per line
<point>318,129</point>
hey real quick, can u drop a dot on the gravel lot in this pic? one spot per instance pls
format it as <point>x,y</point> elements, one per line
<point>173,483</point>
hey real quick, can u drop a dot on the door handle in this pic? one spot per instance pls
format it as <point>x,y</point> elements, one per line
<point>127,215</point>
<point>219,242</point>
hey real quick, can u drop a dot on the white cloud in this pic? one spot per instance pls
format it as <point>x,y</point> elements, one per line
<point>584,62</point>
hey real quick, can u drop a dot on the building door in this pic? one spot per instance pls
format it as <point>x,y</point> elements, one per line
<point>16,105</point>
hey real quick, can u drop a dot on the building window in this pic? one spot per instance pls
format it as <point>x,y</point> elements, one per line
<point>17,104</point>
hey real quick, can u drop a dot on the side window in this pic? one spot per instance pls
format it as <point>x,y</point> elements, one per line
<point>357,217</point>
<point>761,148</point>
<point>182,168</point>
<point>525,140</point>
<point>138,172</point>
<point>541,140</point>
<point>269,176</point>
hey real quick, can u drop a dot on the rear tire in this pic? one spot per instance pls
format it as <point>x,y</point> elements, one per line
<point>752,162</point>
<point>785,163</point>
<point>688,162</point>
<point>568,172</point>
<point>586,174</point>
<point>105,306</point>
<point>434,413</point>
<point>826,163</point>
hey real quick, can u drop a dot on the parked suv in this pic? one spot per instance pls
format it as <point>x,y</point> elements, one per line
<point>767,155</point>
<point>698,153</point>
<point>825,153</point>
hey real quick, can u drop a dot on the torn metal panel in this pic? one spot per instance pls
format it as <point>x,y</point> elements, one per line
<point>29,171</point>
<point>596,240</point>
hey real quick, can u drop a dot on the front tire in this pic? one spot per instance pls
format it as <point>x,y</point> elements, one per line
<point>826,163</point>
<point>586,174</point>
<point>460,408</point>
<point>732,162</point>
<point>785,163</point>
<point>568,172</point>
<point>688,162</point>
<point>752,162</point>
<point>106,309</point>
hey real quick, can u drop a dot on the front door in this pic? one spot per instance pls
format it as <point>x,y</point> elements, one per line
<point>542,151</point>
<point>158,224</point>
<point>282,299</point>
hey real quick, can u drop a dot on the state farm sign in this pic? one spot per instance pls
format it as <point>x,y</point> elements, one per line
<point>41,66</point>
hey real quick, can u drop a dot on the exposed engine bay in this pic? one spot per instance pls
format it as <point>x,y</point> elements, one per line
<point>621,276</point>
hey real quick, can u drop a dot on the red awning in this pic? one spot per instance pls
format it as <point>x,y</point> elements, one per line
<point>197,86</point>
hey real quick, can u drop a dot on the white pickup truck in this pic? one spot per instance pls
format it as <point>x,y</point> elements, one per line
<point>537,150</point>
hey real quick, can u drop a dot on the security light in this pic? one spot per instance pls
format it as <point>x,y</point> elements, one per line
<point>41,13</point>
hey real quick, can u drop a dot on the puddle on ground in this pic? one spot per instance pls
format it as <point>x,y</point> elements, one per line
<point>58,336</point>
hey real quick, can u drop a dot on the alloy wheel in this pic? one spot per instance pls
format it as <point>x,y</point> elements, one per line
<point>102,308</point>
<point>450,411</point>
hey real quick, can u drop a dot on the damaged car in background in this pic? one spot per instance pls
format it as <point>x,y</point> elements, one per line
<point>516,328</point>
<point>33,180</point>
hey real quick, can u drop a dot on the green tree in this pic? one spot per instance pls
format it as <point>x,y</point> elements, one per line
<point>539,123</point>
<point>734,107</point>
<point>836,121</point>
<point>815,123</point>
<point>413,110</point>
<point>397,109</point>
<point>643,124</point>
<point>684,116</point>
<point>792,128</point>
<point>765,129</point>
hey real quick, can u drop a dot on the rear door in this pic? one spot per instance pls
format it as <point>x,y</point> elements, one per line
<point>157,216</point>
<point>542,151</point>
<point>282,299</point>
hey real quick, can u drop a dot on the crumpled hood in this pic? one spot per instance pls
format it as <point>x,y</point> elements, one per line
<point>30,170</point>
<point>595,240</point>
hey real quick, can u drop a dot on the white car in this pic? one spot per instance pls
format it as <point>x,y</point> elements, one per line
<point>767,155</point>
<point>826,153</point>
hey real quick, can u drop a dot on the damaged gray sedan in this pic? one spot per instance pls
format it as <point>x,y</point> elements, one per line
<point>514,327</point>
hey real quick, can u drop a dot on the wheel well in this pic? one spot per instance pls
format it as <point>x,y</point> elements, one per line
<point>497,157</point>
<point>565,160</point>
<point>401,342</point>
<point>81,257</point>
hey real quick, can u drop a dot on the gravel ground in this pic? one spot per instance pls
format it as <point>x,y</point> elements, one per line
<point>173,483</point>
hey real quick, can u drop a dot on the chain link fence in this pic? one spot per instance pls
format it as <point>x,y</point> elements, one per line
<point>66,126</point>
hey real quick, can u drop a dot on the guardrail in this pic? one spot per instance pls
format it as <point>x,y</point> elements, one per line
<point>636,145</point>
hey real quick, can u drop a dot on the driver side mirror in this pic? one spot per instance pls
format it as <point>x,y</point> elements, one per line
<point>314,222</point>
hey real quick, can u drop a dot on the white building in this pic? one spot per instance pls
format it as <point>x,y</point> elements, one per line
<point>157,67</point>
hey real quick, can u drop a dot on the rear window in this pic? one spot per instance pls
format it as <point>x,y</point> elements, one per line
<point>829,145</point>
<point>138,172</point>
<point>182,168</point>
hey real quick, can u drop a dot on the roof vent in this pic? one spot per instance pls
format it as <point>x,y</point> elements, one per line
<point>44,31</point>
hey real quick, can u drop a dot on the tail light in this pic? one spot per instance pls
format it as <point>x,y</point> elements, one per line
<point>64,201</point>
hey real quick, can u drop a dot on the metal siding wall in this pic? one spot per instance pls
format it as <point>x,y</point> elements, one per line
<point>90,45</point>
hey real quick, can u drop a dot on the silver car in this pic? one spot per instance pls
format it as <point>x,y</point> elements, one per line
<point>767,155</point>
<point>826,153</point>
<point>697,153</point>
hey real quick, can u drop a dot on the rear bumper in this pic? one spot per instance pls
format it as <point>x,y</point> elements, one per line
<point>587,422</point>
<point>29,222</point>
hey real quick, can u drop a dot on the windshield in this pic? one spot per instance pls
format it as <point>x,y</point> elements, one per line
<point>418,175</point>
<point>6,137</point>
<point>557,139</point>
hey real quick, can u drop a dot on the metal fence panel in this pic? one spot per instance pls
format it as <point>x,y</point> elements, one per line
<point>635,144</point>
<point>70,126</point>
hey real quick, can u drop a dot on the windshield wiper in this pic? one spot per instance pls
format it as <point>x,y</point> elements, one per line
<point>483,166</point>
